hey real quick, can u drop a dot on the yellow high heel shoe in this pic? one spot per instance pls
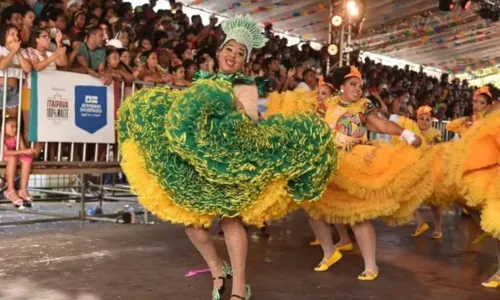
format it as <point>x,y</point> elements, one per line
<point>481,238</point>
<point>324,265</point>
<point>314,243</point>
<point>368,275</point>
<point>345,248</point>
<point>421,230</point>
<point>493,282</point>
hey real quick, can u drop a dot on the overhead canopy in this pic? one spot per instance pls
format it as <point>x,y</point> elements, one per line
<point>458,41</point>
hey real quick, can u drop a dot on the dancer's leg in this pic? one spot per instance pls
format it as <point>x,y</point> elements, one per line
<point>323,233</point>
<point>494,281</point>
<point>498,257</point>
<point>366,239</point>
<point>422,226</point>
<point>343,234</point>
<point>202,240</point>
<point>438,226</point>
<point>237,247</point>
<point>474,214</point>
<point>419,218</point>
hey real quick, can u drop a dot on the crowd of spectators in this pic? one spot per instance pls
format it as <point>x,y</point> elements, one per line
<point>402,91</point>
<point>112,40</point>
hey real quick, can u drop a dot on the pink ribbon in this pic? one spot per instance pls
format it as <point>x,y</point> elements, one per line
<point>196,272</point>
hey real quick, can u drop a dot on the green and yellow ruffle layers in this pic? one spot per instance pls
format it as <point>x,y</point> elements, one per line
<point>190,156</point>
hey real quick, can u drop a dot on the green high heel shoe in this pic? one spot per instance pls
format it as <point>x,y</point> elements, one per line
<point>227,273</point>
<point>248,294</point>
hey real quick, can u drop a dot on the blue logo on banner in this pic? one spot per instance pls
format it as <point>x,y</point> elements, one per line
<point>91,107</point>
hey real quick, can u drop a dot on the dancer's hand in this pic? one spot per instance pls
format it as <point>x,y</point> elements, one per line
<point>418,142</point>
<point>468,122</point>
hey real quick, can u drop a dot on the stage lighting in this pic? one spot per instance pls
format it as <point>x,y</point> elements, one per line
<point>353,8</point>
<point>337,20</point>
<point>466,4</point>
<point>446,5</point>
<point>333,49</point>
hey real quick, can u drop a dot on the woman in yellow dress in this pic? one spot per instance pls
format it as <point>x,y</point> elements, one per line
<point>325,91</point>
<point>481,103</point>
<point>442,197</point>
<point>373,180</point>
<point>474,171</point>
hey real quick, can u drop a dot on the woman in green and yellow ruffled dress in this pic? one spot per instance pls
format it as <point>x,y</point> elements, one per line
<point>203,153</point>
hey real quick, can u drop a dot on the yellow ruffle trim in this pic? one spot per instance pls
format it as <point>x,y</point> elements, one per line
<point>442,196</point>
<point>151,195</point>
<point>374,181</point>
<point>381,170</point>
<point>274,203</point>
<point>290,103</point>
<point>339,207</point>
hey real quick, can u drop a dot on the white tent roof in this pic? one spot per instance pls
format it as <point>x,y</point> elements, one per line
<point>458,41</point>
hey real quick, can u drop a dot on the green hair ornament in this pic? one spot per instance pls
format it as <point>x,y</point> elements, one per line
<point>244,30</point>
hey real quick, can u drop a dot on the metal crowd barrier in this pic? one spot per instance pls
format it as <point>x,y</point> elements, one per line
<point>70,171</point>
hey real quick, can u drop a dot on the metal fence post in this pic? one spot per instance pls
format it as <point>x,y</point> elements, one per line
<point>83,178</point>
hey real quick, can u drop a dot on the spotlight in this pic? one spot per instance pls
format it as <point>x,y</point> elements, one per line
<point>466,4</point>
<point>333,49</point>
<point>337,20</point>
<point>353,8</point>
<point>446,5</point>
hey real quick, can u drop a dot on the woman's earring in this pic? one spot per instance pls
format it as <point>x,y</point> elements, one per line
<point>341,91</point>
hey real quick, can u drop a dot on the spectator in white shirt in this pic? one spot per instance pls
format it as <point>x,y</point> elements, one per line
<point>310,81</point>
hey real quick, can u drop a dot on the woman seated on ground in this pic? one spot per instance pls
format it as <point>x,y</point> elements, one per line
<point>149,71</point>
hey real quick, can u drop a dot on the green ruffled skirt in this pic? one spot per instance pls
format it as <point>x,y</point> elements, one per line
<point>190,156</point>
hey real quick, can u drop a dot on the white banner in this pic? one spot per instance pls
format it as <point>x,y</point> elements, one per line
<point>71,107</point>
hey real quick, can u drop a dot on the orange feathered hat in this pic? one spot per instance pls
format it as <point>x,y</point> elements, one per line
<point>322,82</point>
<point>483,90</point>
<point>424,110</point>
<point>354,73</point>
